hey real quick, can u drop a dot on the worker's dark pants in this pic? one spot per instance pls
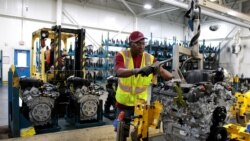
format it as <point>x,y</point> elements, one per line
<point>128,114</point>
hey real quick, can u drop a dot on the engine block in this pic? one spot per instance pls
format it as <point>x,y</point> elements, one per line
<point>201,116</point>
<point>87,95</point>
<point>39,98</point>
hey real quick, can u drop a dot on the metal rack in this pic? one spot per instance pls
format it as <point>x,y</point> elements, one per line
<point>1,68</point>
<point>211,56</point>
<point>99,71</point>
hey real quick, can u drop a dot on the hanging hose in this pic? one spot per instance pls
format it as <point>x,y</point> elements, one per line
<point>192,17</point>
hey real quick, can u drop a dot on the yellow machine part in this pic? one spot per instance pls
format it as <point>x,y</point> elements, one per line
<point>36,35</point>
<point>237,132</point>
<point>147,116</point>
<point>27,132</point>
<point>241,109</point>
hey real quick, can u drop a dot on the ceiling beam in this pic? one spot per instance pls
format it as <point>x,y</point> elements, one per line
<point>211,13</point>
<point>128,7</point>
<point>155,11</point>
<point>135,4</point>
<point>224,10</point>
<point>161,12</point>
<point>236,2</point>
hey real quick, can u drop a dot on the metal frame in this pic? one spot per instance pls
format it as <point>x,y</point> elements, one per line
<point>16,119</point>
<point>210,12</point>
<point>223,9</point>
<point>177,51</point>
<point>58,34</point>
<point>193,50</point>
<point>13,104</point>
<point>1,68</point>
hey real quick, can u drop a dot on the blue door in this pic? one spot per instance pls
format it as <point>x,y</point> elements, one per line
<point>22,62</point>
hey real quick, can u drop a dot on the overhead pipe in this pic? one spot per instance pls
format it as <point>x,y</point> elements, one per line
<point>208,13</point>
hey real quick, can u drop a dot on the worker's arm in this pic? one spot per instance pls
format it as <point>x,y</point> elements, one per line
<point>120,69</point>
<point>166,75</point>
<point>122,72</point>
<point>158,69</point>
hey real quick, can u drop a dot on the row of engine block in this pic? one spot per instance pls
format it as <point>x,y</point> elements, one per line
<point>199,112</point>
<point>41,101</point>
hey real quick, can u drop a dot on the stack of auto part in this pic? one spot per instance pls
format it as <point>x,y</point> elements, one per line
<point>38,100</point>
<point>211,56</point>
<point>117,42</point>
<point>194,112</point>
<point>84,102</point>
<point>89,50</point>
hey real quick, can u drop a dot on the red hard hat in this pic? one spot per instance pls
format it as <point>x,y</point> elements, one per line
<point>136,36</point>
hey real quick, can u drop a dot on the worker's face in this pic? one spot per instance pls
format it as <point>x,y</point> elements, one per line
<point>137,48</point>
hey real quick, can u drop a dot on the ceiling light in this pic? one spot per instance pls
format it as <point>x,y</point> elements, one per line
<point>213,0</point>
<point>147,6</point>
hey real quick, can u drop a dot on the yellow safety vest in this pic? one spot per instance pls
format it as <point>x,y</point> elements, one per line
<point>236,79</point>
<point>134,87</point>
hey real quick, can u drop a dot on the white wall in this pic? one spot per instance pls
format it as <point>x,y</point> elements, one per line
<point>215,37</point>
<point>19,20</point>
<point>235,63</point>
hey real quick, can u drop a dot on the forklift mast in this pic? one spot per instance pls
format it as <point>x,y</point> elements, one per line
<point>59,35</point>
<point>79,45</point>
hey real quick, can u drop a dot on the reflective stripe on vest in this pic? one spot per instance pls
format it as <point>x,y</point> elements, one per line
<point>129,89</point>
<point>124,87</point>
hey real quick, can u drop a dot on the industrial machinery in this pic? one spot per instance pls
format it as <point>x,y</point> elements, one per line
<point>192,52</point>
<point>38,102</point>
<point>197,110</point>
<point>85,108</point>
<point>145,116</point>
<point>240,129</point>
<point>194,112</point>
<point>65,62</point>
<point>240,109</point>
<point>54,87</point>
<point>62,64</point>
<point>37,113</point>
<point>238,133</point>
<point>66,72</point>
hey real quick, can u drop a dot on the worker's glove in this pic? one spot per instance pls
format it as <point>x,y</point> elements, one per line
<point>145,71</point>
<point>156,67</point>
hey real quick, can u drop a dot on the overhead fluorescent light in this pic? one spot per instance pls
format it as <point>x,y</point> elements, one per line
<point>147,6</point>
<point>213,0</point>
